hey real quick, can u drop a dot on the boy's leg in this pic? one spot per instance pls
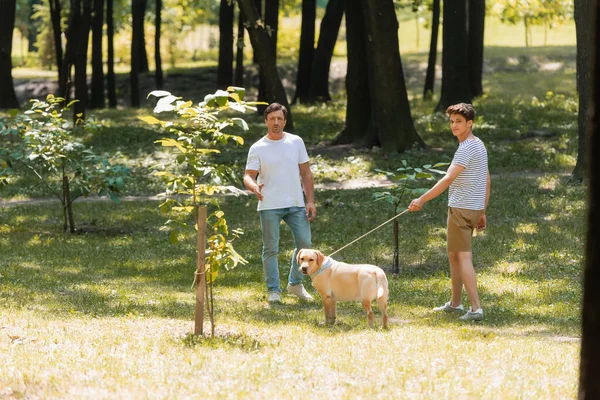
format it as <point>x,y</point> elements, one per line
<point>469,278</point>
<point>455,278</point>
<point>300,227</point>
<point>270,221</point>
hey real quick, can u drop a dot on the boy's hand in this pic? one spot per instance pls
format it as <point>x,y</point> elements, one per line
<point>416,205</point>
<point>482,223</point>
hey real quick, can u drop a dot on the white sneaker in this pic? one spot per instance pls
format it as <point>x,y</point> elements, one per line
<point>299,291</point>
<point>471,315</point>
<point>448,308</point>
<point>274,297</point>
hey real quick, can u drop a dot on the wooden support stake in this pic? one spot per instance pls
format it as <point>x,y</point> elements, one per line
<point>200,270</point>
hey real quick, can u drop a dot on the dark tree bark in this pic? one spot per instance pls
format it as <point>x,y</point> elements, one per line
<point>589,384</point>
<point>110,55</point>
<point>81,57</point>
<point>55,10</point>
<point>455,68</point>
<point>158,74</point>
<point>584,28</point>
<point>272,25</point>
<point>475,49</point>
<point>430,75</point>
<point>238,79</point>
<point>391,124</point>
<point>34,24</point>
<point>330,27</point>
<point>225,69</point>
<point>73,29</point>
<point>307,50</point>
<point>97,99</point>
<point>358,103</point>
<point>137,9</point>
<point>143,60</point>
<point>259,10</point>
<point>8,98</point>
<point>268,68</point>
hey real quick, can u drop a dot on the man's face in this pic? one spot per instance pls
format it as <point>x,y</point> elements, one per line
<point>275,122</point>
<point>459,125</point>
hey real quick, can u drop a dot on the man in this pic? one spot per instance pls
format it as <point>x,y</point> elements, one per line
<point>469,180</point>
<point>276,164</point>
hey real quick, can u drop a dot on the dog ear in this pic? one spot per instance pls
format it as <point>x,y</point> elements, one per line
<point>298,255</point>
<point>320,258</point>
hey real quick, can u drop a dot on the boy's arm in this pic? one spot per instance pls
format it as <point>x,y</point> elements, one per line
<point>438,188</point>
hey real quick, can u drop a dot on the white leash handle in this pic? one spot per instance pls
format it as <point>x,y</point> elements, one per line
<point>371,231</point>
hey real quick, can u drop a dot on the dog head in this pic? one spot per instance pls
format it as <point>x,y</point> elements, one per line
<point>309,260</point>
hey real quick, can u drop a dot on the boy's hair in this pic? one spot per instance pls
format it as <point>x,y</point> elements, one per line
<point>464,109</point>
<point>275,107</point>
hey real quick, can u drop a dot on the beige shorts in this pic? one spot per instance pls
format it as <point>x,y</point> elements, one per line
<point>461,223</point>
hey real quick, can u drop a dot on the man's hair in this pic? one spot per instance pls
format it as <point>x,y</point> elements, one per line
<point>464,109</point>
<point>275,107</point>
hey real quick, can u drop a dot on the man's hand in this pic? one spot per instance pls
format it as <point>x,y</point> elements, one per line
<point>416,205</point>
<point>482,223</point>
<point>258,191</point>
<point>311,211</point>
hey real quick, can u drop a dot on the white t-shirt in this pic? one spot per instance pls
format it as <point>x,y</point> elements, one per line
<point>469,187</point>
<point>277,163</point>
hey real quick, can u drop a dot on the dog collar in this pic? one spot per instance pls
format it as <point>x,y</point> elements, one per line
<point>326,264</point>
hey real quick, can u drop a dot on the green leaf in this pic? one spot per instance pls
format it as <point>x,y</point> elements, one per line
<point>114,197</point>
<point>239,91</point>
<point>173,237</point>
<point>158,93</point>
<point>150,120</point>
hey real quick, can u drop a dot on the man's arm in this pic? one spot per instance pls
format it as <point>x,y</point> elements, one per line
<point>438,188</point>
<point>482,223</point>
<point>251,184</point>
<point>308,185</point>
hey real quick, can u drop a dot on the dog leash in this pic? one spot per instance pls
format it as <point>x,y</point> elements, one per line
<point>371,231</point>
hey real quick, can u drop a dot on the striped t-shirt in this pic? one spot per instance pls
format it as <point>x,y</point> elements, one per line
<point>468,189</point>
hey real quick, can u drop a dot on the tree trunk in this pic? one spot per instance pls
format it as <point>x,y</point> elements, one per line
<point>430,75</point>
<point>391,125</point>
<point>455,68</point>
<point>358,101</point>
<point>584,29</point>
<point>225,69</point>
<point>589,371</point>
<point>32,30</point>
<point>158,73</point>
<point>272,25</point>
<point>330,26</point>
<point>238,79</point>
<point>56,34</point>
<point>143,56</point>
<point>8,98</point>
<point>81,56</point>
<point>97,98</point>
<point>64,86</point>
<point>110,55</point>
<point>262,48</point>
<point>475,49</point>
<point>307,50</point>
<point>137,10</point>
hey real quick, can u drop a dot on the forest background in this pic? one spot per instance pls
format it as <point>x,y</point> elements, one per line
<point>112,299</point>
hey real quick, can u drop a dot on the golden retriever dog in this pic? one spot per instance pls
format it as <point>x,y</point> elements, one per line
<point>337,281</point>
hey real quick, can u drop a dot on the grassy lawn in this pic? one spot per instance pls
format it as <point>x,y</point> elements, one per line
<point>107,312</point>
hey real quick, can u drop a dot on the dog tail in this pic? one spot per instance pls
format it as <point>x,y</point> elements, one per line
<point>382,283</point>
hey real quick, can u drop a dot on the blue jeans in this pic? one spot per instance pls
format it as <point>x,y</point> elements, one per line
<point>270,221</point>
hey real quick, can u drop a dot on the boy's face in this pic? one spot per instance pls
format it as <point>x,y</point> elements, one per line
<point>460,126</point>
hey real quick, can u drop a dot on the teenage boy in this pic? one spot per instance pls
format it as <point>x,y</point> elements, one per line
<point>468,180</point>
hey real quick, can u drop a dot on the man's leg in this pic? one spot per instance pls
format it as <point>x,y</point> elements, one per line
<point>298,223</point>
<point>270,221</point>
<point>455,278</point>
<point>469,278</point>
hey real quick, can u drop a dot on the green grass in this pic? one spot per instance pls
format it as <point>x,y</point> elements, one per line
<point>107,312</point>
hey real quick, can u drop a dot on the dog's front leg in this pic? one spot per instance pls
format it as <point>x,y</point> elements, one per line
<point>329,305</point>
